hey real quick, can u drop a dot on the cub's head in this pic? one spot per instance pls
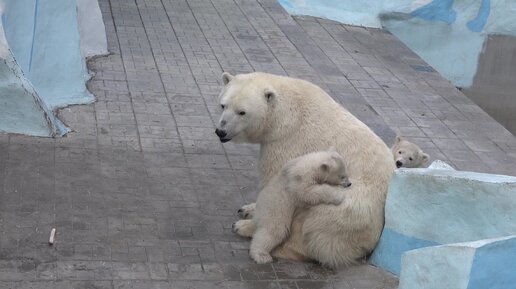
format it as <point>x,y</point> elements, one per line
<point>330,168</point>
<point>245,102</point>
<point>407,154</point>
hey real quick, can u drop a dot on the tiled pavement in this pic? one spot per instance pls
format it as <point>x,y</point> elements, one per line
<point>143,194</point>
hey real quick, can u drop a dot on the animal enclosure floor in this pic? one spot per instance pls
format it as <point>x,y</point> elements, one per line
<point>143,194</point>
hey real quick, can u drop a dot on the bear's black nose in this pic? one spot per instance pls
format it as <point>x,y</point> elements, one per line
<point>220,133</point>
<point>399,164</point>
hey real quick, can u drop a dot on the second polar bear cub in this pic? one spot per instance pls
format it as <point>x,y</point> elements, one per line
<point>407,154</point>
<point>303,181</point>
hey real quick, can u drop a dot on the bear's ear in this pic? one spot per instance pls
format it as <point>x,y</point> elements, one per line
<point>325,167</point>
<point>398,139</point>
<point>425,157</point>
<point>226,77</point>
<point>269,94</point>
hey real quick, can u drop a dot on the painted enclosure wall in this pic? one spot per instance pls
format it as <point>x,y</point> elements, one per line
<point>494,86</point>
<point>47,42</point>
<point>21,108</point>
<point>44,38</point>
<point>448,34</point>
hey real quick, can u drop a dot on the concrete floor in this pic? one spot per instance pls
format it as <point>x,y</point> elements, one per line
<point>143,194</point>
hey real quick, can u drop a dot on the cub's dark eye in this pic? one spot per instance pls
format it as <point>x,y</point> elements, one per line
<point>222,106</point>
<point>410,159</point>
<point>399,152</point>
<point>242,113</point>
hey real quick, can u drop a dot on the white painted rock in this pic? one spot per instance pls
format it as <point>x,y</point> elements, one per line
<point>440,165</point>
<point>429,207</point>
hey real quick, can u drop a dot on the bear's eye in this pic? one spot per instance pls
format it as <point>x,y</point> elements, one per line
<point>399,152</point>
<point>242,113</point>
<point>222,106</point>
<point>410,159</point>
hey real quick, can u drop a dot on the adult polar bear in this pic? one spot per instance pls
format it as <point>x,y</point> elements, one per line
<point>290,117</point>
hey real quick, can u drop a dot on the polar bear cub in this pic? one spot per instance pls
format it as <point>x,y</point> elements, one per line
<point>407,154</point>
<point>303,181</point>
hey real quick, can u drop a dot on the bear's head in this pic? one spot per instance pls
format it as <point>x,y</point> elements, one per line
<point>331,169</point>
<point>407,154</point>
<point>245,106</point>
<point>320,167</point>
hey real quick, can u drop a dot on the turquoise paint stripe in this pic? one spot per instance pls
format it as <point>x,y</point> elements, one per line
<point>477,24</point>
<point>35,18</point>
<point>493,266</point>
<point>286,4</point>
<point>391,246</point>
<point>437,10</point>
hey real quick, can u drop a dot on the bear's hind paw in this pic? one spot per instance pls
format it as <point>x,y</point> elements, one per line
<point>261,257</point>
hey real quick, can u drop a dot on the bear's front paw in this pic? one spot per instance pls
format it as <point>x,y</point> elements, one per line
<point>261,257</point>
<point>247,211</point>
<point>244,228</point>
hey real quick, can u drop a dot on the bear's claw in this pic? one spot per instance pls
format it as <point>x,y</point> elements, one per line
<point>234,228</point>
<point>242,214</point>
<point>246,211</point>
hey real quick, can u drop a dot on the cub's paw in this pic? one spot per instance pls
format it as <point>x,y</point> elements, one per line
<point>261,257</point>
<point>244,228</point>
<point>247,211</point>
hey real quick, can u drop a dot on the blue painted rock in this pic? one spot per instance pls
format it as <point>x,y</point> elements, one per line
<point>474,265</point>
<point>435,206</point>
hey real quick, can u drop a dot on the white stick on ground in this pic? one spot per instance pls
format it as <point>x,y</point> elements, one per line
<point>52,236</point>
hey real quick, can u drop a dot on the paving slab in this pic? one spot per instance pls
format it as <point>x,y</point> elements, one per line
<point>143,194</point>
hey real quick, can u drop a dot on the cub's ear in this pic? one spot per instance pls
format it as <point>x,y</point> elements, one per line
<point>425,157</point>
<point>270,94</point>
<point>325,167</point>
<point>226,77</point>
<point>398,139</point>
<point>332,149</point>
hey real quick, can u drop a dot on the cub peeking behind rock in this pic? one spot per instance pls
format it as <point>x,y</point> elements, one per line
<point>407,154</point>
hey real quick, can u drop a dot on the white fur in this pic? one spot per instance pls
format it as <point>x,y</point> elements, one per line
<point>290,117</point>
<point>304,181</point>
<point>407,154</point>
